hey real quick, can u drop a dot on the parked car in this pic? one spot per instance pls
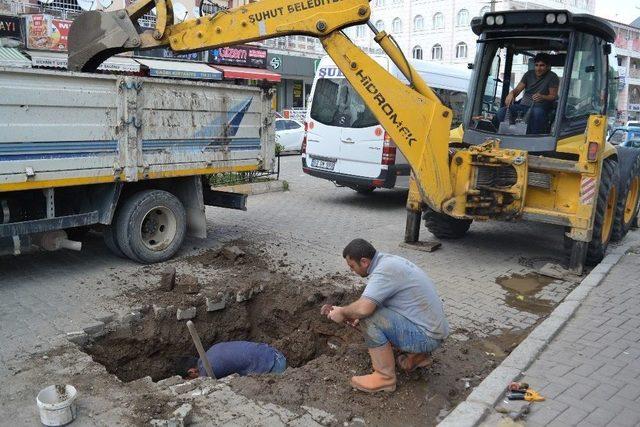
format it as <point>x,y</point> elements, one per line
<point>289,134</point>
<point>626,136</point>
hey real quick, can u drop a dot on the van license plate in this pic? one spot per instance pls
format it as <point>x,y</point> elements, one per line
<point>322,164</point>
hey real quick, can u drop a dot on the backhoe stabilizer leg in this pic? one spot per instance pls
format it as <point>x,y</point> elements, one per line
<point>412,229</point>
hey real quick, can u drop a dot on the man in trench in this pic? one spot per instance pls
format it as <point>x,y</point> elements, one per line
<point>399,307</point>
<point>234,357</point>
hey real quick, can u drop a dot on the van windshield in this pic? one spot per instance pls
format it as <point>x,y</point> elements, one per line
<point>336,103</point>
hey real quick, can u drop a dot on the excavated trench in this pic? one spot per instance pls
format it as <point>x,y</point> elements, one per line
<point>266,306</point>
<point>289,321</point>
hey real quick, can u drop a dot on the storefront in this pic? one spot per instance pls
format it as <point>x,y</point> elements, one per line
<point>297,77</point>
<point>11,41</point>
<point>244,64</point>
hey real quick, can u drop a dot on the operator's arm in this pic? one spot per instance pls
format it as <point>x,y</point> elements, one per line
<point>552,96</point>
<point>511,96</point>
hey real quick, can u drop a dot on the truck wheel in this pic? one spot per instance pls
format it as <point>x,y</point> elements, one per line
<point>109,237</point>
<point>627,208</point>
<point>444,226</point>
<point>151,226</point>
<point>605,212</point>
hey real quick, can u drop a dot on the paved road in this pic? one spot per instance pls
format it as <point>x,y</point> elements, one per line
<point>45,295</point>
<point>590,372</point>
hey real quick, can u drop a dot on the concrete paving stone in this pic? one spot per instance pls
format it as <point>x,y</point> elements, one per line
<point>570,417</point>
<point>600,416</point>
<point>626,418</point>
<point>579,390</point>
<point>603,391</point>
<point>576,402</point>
<point>542,415</point>
<point>629,391</point>
<point>553,389</point>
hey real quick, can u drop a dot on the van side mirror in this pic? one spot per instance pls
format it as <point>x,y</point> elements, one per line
<point>590,69</point>
<point>470,65</point>
<point>607,49</point>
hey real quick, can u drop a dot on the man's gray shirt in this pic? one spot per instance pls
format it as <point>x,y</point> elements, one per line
<point>535,85</point>
<point>401,286</point>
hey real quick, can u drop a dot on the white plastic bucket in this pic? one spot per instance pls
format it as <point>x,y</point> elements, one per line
<point>57,405</point>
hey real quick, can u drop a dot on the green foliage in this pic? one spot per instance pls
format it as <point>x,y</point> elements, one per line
<point>279,148</point>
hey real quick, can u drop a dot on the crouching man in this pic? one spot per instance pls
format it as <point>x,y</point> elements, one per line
<point>399,307</point>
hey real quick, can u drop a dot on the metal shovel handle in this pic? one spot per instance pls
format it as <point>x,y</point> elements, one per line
<point>198,343</point>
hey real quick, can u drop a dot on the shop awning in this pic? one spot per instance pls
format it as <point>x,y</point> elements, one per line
<point>59,60</point>
<point>12,57</point>
<point>231,72</point>
<point>180,69</point>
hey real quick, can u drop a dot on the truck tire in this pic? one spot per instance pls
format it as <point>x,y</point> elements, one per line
<point>109,237</point>
<point>628,197</point>
<point>606,204</point>
<point>444,226</point>
<point>151,226</point>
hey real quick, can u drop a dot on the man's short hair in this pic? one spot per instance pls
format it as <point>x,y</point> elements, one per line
<point>358,249</point>
<point>542,57</point>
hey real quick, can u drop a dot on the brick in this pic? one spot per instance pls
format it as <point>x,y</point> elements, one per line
<point>186,313</point>
<point>216,303</point>
<point>626,418</point>
<point>168,279</point>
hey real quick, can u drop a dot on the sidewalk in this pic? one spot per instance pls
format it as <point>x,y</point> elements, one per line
<point>590,372</point>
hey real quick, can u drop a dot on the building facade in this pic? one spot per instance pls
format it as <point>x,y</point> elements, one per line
<point>628,52</point>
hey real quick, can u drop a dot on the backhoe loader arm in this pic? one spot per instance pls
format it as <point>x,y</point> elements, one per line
<point>412,115</point>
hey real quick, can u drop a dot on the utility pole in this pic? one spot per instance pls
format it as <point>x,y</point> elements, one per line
<point>493,5</point>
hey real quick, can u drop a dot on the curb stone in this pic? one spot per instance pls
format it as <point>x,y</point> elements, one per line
<point>254,188</point>
<point>484,397</point>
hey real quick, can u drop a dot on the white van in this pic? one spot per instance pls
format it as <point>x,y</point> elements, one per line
<point>344,141</point>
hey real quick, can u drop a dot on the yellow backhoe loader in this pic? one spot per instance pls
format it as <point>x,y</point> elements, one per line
<point>565,173</point>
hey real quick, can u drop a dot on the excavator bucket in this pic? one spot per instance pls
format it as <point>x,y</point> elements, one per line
<point>95,36</point>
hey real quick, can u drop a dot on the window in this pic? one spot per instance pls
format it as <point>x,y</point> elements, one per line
<point>438,21</point>
<point>463,18</point>
<point>484,10</point>
<point>380,25</point>
<point>588,79</point>
<point>292,125</point>
<point>360,31</point>
<point>436,52</point>
<point>335,103</point>
<point>418,23</point>
<point>397,25</point>
<point>280,124</point>
<point>461,50</point>
<point>417,52</point>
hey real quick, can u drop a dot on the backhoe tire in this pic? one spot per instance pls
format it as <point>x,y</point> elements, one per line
<point>628,197</point>
<point>151,226</point>
<point>444,226</point>
<point>606,204</point>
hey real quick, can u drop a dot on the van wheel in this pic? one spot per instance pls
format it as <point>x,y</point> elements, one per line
<point>151,226</point>
<point>605,212</point>
<point>444,226</point>
<point>364,190</point>
<point>627,207</point>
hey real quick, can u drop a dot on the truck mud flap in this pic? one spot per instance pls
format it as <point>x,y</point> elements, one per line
<point>48,224</point>
<point>224,199</point>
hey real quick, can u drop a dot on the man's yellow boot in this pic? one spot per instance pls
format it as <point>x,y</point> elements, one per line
<point>383,377</point>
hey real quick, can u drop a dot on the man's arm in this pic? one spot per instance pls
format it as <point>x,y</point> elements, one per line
<point>511,96</point>
<point>358,309</point>
<point>552,96</point>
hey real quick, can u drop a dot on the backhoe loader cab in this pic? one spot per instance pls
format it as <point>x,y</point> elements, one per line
<point>576,48</point>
